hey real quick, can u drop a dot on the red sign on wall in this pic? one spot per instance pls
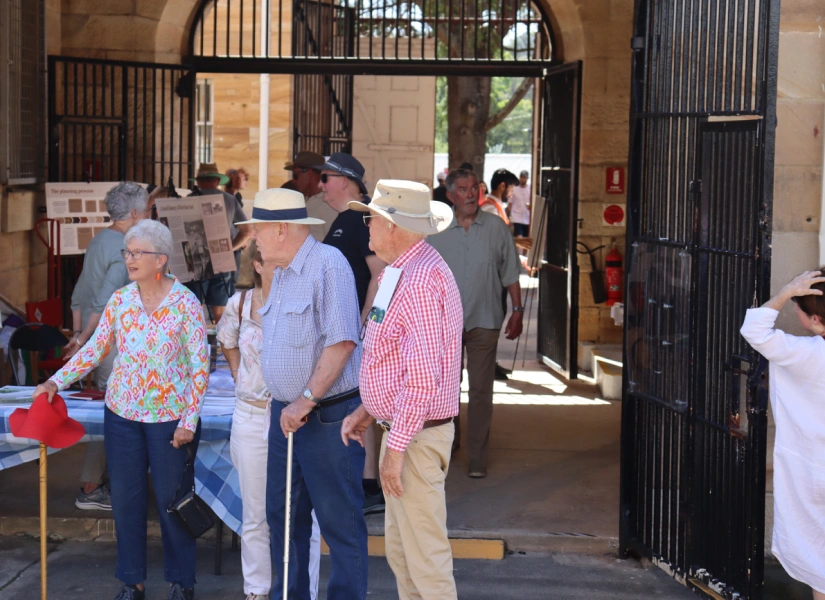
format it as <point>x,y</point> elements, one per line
<point>615,180</point>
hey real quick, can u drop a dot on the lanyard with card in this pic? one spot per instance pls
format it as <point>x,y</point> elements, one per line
<point>383,297</point>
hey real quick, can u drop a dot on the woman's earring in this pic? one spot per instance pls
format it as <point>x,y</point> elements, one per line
<point>157,276</point>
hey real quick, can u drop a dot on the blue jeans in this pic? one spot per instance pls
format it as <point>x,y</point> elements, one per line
<point>326,476</point>
<point>132,448</point>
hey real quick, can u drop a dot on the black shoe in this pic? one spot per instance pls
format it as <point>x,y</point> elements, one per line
<point>374,503</point>
<point>502,374</point>
<point>177,592</point>
<point>130,592</point>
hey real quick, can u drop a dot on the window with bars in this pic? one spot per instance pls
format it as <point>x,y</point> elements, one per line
<point>204,131</point>
<point>22,91</point>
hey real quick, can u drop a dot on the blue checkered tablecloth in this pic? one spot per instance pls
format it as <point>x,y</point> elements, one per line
<point>216,480</point>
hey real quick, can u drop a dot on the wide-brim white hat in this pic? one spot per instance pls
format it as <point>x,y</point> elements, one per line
<point>408,204</point>
<point>279,205</point>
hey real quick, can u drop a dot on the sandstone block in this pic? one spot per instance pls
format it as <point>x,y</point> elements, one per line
<point>801,64</point>
<point>600,147</point>
<point>588,324</point>
<point>593,10</point>
<point>797,198</point>
<point>605,39</point>
<point>799,132</point>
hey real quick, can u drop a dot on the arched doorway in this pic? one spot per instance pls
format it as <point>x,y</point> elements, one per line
<point>324,45</point>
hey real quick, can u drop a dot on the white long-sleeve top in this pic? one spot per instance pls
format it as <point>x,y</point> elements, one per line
<point>797,392</point>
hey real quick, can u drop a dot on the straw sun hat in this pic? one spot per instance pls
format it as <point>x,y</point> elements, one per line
<point>280,205</point>
<point>408,205</point>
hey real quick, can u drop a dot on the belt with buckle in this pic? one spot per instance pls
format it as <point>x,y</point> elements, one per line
<point>386,425</point>
<point>333,400</point>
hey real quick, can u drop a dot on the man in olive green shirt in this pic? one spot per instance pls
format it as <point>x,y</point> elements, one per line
<point>480,251</point>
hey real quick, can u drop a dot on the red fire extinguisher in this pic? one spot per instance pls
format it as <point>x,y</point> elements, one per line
<point>613,273</point>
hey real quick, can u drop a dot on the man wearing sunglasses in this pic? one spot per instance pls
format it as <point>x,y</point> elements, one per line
<point>342,181</point>
<point>306,178</point>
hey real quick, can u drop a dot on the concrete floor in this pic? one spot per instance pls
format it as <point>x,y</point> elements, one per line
<point>79,571</point>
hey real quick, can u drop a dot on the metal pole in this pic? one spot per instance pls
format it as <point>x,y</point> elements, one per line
<point>287,512</point>
<point>44,530</point>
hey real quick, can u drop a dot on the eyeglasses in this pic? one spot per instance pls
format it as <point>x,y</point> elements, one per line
<point>367,219</point>
<point>297,171</point>
<point>325,177</point>
<point>137,254</point>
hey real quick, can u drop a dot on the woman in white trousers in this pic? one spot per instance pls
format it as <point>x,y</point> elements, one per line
<point>241,337</point>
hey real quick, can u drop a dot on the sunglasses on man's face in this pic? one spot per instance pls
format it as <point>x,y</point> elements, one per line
<point>325,177</point>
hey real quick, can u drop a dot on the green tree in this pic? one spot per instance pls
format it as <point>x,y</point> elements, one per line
<point>514,131</point>
<point>479,30</point>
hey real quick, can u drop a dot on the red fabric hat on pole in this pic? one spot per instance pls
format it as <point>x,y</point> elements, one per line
<point>47,423</point>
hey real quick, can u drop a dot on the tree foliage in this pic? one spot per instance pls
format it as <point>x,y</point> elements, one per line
<point>513,135</point>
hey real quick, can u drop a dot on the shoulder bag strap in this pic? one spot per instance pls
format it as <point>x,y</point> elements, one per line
<point>240,307</point>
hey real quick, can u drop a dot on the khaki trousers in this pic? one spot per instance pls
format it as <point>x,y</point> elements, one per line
<point>480,345</point>
<point>415,525</point>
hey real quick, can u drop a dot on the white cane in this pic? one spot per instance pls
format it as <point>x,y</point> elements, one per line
<point>287,512</point>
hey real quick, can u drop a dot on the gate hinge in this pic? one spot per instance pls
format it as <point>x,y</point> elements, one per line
<point>637,43</point>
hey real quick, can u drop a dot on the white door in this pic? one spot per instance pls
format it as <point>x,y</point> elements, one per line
<point>393,132</point>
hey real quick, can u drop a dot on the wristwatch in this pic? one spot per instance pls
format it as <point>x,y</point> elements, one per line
<point>518,309</point>
<point>308,395</point>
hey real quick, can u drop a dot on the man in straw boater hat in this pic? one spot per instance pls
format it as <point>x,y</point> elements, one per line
<point>410,379</point>
<point>216,290</point>
<point>310,363</point>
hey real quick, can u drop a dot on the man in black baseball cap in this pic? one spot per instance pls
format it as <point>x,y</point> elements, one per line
<point>342,180</point>
<point>341,164</point>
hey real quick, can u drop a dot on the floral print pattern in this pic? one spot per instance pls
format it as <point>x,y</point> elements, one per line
<point>162,368</point>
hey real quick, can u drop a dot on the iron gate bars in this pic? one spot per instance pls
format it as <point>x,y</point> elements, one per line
<point>559,273</point>
<point>114,121</point>
<point>322,107</point>
<point>413,37</point>
<point>703,114</point>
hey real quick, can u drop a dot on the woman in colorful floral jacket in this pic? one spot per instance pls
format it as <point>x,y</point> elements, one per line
<point>153,404</point>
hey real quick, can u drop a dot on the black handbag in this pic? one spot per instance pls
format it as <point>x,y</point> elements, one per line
<point>190,509</point>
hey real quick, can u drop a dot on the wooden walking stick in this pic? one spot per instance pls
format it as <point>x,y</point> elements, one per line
<point>44,529</point>
<point>287,512</point>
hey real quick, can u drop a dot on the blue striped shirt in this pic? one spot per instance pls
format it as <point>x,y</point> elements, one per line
<point>312,304</point>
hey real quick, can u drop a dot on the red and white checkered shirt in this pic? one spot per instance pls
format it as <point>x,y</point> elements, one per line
<point>411,368</point>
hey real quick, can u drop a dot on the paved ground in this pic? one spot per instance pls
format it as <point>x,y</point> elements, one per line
<point>84,571</point>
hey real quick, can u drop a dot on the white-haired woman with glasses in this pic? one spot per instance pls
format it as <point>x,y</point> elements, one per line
<point>103,272</point>
<point>153,404</point>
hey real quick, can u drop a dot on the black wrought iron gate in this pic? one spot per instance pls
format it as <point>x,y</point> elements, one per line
<point>322,120</point>
<point>700,192</point>
<point>117,120</point>
<point>558,275</point>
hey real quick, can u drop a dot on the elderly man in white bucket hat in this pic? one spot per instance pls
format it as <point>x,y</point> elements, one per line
<point>310,362</point>
<point>410,378</point>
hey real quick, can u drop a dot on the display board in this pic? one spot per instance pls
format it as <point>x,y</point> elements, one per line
<point>81,211</point>
<point>201,244</point>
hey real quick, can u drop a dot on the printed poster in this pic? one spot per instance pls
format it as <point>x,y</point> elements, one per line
<point>201,245</point>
